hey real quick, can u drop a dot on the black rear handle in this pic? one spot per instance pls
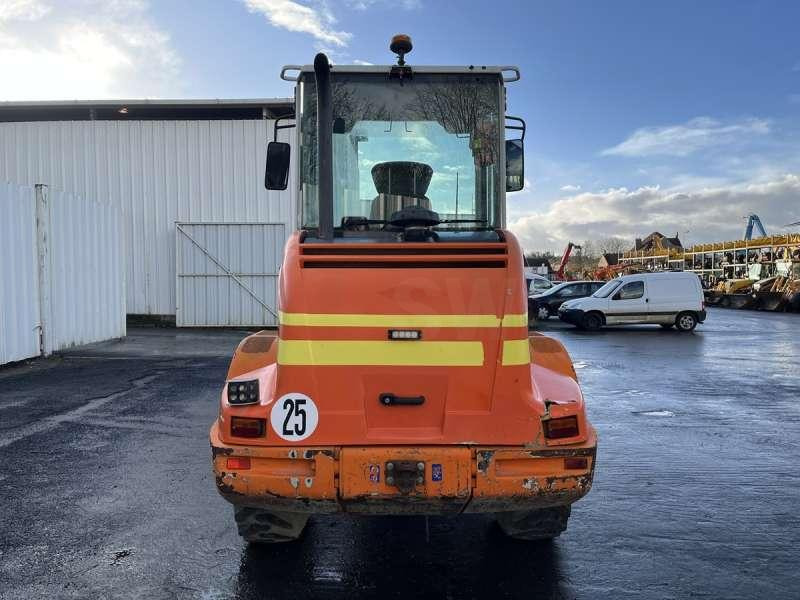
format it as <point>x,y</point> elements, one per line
<point>388,399</point>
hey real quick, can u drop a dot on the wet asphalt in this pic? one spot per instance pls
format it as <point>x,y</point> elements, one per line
<point>106,492</point>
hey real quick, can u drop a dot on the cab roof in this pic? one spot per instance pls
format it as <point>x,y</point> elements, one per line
<point>508,73</point>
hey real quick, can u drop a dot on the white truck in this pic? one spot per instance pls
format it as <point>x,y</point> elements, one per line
<point>670,299</point>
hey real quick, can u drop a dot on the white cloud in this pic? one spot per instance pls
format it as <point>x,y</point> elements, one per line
<point>685,139</point>
<point>365,4</point>
<point>301,18</point>
<point>708,213</point>
<point>362,62</point>
<point>570,188</point>
<point>419,144</point>
<point>88,50</point>
<point>23,10</point>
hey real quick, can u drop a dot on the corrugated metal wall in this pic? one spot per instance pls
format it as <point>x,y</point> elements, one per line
<point>156,173</point>
<point>87,273</point>
<point>228,273</point>
<point>62,280</point>
<point>19,281</point>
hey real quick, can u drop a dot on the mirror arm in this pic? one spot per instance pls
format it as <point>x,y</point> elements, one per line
<point>277,127</point>
<point>519,127</point>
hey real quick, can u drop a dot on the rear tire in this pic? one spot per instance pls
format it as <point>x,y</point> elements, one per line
<point>686,322</point>
<point>592,321</point>
<point>542,524</point>
<point>259,526</point>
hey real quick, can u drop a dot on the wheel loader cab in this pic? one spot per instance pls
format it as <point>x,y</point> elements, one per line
<point>397,136</point>
<point>401,378</point>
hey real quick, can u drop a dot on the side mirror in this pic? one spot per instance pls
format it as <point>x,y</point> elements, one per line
<point>515,165</point>
<point>276,176</point>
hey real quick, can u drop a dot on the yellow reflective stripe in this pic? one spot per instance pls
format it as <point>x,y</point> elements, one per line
<point>515,320</point>
<point>516,352</point>
<point>356,320</point>
<point>383,353</point>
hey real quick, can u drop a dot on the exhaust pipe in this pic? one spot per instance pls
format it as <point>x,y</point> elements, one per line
<point>322,75</point>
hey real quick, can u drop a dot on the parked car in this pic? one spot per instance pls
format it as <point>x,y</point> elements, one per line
<point>537,284</point>
<point>546,304</point>
<point>669,299</point>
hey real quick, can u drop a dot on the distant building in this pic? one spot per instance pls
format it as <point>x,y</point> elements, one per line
<point>608,260</point>
<point>657,241</point>
<point>188,179</point>
<point>540,265</point>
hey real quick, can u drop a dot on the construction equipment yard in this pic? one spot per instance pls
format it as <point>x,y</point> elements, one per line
<point>759,274</point>
<point>106,490</point>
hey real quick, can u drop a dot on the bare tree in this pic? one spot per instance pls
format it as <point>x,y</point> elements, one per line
<point>613,245</point>
<point>590,249</point>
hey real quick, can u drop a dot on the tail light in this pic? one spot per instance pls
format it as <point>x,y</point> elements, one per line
<point>241,463</point>
<point>565,427</point>
<point>246,427</point>
<point>573,463</point>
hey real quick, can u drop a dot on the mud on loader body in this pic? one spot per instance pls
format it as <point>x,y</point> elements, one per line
<point>402,379</point>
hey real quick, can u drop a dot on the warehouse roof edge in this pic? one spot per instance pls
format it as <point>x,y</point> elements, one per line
<point>146,109</point>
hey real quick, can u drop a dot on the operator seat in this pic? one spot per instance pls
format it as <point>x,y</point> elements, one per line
<point>399,184</point>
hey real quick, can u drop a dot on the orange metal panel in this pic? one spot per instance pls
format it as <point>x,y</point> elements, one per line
<point>276,472</point>
<point>253,352</point>
<point>363,472</point>
<point>515,472</point>
<point>468,405</point>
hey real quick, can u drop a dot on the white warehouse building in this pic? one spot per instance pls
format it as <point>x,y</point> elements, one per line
<point>203,239</point>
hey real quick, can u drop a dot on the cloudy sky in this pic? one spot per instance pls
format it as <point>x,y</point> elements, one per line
<point>680,116</point>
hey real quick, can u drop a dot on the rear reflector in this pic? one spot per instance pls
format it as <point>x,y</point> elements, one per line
<point>238,462</point>
<point>249,428</point>
<point>565,427</point>
<point>573,464</point>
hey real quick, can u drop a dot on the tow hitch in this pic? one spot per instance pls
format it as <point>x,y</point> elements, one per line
<point>405,475</point>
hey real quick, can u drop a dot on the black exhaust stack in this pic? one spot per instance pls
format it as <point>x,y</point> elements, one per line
<point>322,74</point>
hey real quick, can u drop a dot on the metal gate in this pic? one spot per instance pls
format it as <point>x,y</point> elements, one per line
<point>227,273</point>
<point>20,320</point>
<point>62,277</point>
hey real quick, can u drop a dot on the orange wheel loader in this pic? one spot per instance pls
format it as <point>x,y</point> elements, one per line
<point>402,378</point>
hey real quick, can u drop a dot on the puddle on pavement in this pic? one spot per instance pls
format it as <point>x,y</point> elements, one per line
<point>653,413</point>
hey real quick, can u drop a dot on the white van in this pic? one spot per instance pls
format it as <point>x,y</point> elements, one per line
<point>669,299</point>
